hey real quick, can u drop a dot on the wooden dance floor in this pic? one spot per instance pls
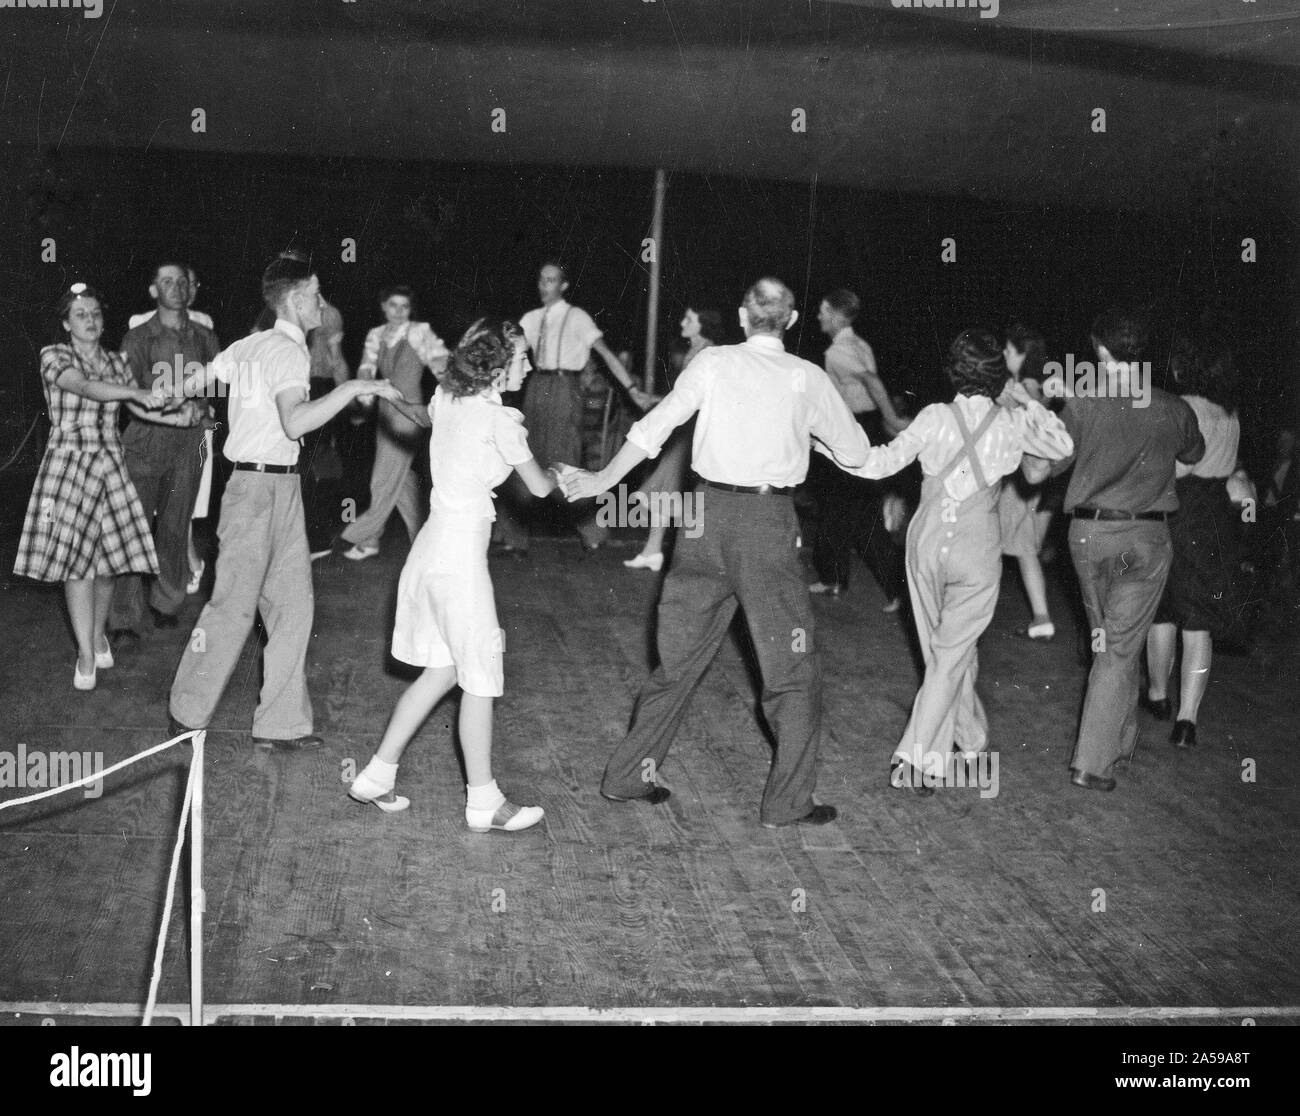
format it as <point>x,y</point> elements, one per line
<point>957,901</point>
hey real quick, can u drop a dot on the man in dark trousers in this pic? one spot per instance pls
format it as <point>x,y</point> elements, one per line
<point>164,451</point>
<point>1127,435</point>
<point>760,408</point>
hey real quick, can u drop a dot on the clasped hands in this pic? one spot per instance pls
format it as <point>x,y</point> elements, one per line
<point>575,483</point>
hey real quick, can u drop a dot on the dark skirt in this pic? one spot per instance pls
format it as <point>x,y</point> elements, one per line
<point>1200,595</point>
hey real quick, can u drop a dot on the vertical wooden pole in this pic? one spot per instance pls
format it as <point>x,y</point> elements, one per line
<point>197,898</point>
<point>652,305</point>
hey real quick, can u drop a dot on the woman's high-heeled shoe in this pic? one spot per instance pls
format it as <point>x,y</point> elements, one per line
<point>652,562</point>
<point>365,790</point>
<point>83,681</point>
<point>104,658</point>
<point>507,817</point>
<point>1159,708</point>
<point>1184,734</point>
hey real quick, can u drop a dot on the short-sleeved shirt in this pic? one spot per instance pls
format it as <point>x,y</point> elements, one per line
<point>1124,454</point>
<point>320,342</point>
<point>1221,430</point>
<point>475,443</point>
<point>79,423</point>
<point>849,361</point>
<point>256,369</point>
<point>760,408</point>
<point>560,335</point>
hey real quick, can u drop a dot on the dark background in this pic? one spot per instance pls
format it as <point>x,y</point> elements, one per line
<point>469,240</point>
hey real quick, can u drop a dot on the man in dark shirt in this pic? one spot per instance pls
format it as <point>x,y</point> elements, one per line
<point>163,450</point>
<point>1127,436</point>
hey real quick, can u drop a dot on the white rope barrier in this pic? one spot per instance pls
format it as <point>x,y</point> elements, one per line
<point>192,813</point>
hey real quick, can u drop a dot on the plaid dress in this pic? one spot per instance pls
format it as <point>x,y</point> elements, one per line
<point>84,518</point>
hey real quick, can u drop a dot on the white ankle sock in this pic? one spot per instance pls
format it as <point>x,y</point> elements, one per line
<point>381,773</point>
<point>486,797</point>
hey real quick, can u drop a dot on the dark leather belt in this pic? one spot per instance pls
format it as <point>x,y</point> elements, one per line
<point>557,372</point>
<point>1110,514</point>
<point>260,467</point>
<point>760,490</point>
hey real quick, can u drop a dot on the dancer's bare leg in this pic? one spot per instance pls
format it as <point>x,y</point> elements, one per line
<point>1198,649</point>
<point>1162,640</point>
<point>413,709</point>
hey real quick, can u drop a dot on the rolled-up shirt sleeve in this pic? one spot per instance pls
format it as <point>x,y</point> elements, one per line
<point>652,431</point>
<point>1042,434</point>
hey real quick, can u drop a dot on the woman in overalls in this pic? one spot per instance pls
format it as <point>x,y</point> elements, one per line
<point>397,351</point>
<point>954,543</point>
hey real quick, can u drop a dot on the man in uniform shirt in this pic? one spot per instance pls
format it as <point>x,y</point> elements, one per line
<point>759,410</point>
<point>262,562</point>
<point>562,338</point>
<point>164,451</point>
<point>1127,436</point>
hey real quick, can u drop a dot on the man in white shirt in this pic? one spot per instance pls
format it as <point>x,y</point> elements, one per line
<point>562,338</point>
<point>759,409</point>
<point>262,562</point>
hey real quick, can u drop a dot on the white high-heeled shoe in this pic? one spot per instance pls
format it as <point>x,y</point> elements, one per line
<point>83,681</point>
<point>507,817</point>
<point>652,562</point>
<point>104,659</point>
<point>365,790</point>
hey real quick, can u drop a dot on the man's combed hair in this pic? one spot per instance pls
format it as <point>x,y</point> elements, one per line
<point>844,302</point>
<point>976,365</point>
<point>1124,332</point>
<point>487,346</point>
<point>769,304</point>
<point>283,275</point>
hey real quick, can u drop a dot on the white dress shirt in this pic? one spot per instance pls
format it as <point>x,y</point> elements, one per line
<point>934,437</point>
<point>256,369</point>
<point>560,335</point>
<point>760,408</point>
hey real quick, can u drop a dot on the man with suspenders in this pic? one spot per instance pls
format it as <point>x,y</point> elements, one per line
<point>562,338</point>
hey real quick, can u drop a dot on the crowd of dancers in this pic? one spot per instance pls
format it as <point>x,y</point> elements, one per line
<point>1145,478</point>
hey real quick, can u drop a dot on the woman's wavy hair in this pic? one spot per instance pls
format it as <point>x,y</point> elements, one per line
<point>487,346</point>
<point>975,364</point>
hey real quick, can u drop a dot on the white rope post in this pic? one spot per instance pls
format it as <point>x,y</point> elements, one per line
<point>197,898</point>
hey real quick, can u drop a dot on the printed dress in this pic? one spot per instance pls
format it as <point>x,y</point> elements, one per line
<point>84,518</point>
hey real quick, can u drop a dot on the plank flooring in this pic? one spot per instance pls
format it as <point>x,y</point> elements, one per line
<point>958,901</point>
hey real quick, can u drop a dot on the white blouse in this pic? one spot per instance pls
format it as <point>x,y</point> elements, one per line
<point>934,437</point>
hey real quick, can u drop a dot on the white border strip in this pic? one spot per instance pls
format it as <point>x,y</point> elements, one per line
<point>472,1013</point>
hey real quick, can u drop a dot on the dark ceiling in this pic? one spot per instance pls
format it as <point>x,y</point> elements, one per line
<point>1202,98</point>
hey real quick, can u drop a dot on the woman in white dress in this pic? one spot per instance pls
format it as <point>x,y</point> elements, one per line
<point>446,613</point>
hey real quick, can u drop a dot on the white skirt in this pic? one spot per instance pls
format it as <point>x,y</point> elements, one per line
<point>446,611</point>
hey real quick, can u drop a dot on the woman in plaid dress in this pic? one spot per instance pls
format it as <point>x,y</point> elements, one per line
<point>84,522</point>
